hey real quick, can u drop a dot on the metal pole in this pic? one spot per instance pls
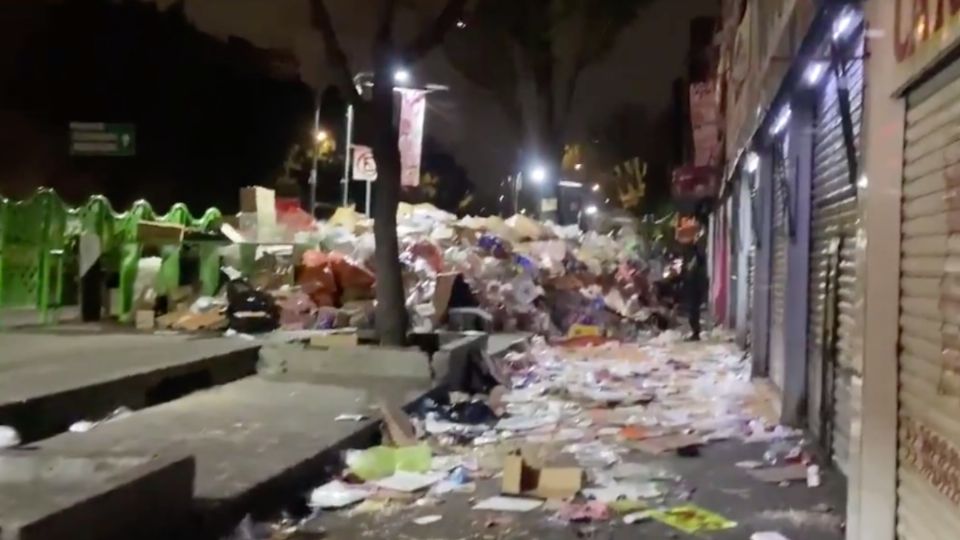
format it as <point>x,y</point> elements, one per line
<point>516,192</point>
<point>313,173</point>
<point>347,155</point>
<point>367,198</point>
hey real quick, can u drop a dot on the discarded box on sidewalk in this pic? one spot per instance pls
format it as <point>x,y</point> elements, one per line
<point>519,478</point>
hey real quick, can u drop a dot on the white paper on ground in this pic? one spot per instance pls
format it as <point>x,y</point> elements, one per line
<point>630,491</point>
<point>525,423</point>
<point>408,482</point>
<point>508,504</point>
<point>8,437</point>
<point>427,520</point>
<point>336,494</point>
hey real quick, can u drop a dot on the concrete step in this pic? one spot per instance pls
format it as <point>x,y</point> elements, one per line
<point>257,443</point>
<point>53,376</point>
<point>108,496</point>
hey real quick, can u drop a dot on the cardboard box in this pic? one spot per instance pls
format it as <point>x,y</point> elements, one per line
<point>145,319</point>
<point>153,233</point>
<point>441,297</point>
<point>519,478</point>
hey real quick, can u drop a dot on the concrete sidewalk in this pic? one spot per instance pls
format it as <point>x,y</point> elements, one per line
<point>51,377</point>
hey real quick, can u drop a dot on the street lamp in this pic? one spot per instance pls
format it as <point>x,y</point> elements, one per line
<point>595,188</point>
<point>321,135</point>
<point>538,174</point>
<point>400,77</point>
<point>591,210</point>
<point>578,166</point>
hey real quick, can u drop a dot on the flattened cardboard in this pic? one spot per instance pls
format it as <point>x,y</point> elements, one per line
<point>398,425</point>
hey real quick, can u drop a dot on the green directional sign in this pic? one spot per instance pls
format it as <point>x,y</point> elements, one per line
<point>100,139</point>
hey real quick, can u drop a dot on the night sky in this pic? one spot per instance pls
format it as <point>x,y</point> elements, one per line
<point>253,84</point>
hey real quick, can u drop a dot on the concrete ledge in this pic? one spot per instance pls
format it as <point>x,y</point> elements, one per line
<point>49,393</point>
<point>457,360</point>
<point>359,361</point>
<point>54,496</point>
<point>257,443</point>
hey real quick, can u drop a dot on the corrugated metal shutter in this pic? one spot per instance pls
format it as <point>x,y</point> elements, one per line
<point>930,313</point>
<point>833,378</point>
<point>778,278</point>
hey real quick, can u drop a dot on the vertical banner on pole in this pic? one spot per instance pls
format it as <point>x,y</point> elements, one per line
<point>412,111</point>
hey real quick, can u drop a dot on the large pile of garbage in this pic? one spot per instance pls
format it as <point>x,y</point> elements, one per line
<point>289,271</point>
<point>512,274</point>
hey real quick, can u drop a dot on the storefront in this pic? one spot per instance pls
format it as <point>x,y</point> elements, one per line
<point>833,367</point>
<point>928,476</point>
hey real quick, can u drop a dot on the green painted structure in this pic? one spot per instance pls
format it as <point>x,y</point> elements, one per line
<point>38,235</point>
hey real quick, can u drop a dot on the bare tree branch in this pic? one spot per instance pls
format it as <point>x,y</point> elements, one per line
<point>320,18</point>
<point>433,35</point>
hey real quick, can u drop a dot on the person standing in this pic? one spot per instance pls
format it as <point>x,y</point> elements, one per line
<point>694,281</point>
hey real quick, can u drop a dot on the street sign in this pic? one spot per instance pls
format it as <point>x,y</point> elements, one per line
<point>364,166</point>
<point>100,139</point>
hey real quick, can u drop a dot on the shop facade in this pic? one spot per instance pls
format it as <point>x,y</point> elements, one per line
<point>855,271</point>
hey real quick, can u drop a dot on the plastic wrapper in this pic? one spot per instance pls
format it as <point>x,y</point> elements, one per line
<point>382,461</point>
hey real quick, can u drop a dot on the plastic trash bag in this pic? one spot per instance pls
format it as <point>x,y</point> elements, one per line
<point>250,311</point>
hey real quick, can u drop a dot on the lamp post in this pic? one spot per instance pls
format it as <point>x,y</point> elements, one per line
<point>401,77</point>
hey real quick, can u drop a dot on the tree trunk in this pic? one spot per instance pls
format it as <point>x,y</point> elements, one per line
<point>391,313</point>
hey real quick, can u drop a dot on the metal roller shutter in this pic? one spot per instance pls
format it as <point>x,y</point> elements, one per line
<point>929,359</point>
<point>778,279</point>
<point>833,376</point>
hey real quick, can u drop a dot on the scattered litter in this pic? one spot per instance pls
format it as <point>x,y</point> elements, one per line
<point>776,475</point>
<point>669,443</point>
<point>408,482</point>
<point>587,512</point>
<point>693,519</point>
<point>803,519</point>
<point>83,426</point>
<point>508,504</point>
<point>638,517</point>
<point>350,418</point>
<point>382,461</point>
<point>624,491</point>
<point>427,520</point>
<point>813,476</point>
<point>8,437</point>
<point>336,494</point>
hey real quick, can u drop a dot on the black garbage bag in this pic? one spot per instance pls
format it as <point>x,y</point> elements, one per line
<point>250,311</point>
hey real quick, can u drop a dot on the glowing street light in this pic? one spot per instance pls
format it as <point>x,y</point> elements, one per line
<point>401,76</point>
<point>538,174</point>
<point>321,135</point>
<point>578,166</point>
<point>591,210</point>
<point>595,188</point>
<point>815,72</point>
